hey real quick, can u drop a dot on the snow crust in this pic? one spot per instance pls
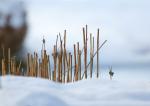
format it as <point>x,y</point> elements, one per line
<point>28,91</point>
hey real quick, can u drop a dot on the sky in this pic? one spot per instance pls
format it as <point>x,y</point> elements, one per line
<point>124,23</point>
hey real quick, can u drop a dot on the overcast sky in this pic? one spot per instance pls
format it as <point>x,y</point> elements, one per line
<point>124,23</point>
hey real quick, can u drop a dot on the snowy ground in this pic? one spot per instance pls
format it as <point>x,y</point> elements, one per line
<point>22,91</point>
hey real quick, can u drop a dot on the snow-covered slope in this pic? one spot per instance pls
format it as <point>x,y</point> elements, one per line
<point>23,91</point>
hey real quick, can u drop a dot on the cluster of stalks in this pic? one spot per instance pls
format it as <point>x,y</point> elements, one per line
<point>9,64</point>
<point>65,66</point>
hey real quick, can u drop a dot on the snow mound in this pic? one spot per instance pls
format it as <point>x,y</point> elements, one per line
<point>27,91</point>
<point>41,99</point>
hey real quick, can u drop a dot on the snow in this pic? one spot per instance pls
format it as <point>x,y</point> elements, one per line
<point>28,91</point>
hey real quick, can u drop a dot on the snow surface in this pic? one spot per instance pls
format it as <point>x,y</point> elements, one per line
<point>27,91</point>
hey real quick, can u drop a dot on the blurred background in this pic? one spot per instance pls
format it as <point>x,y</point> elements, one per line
<point>124,23</point>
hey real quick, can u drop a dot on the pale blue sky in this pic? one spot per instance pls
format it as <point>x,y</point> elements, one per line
<point>124,23</point>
